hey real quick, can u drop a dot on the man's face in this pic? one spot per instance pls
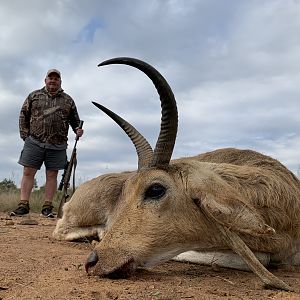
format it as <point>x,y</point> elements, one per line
<point>53,82</point>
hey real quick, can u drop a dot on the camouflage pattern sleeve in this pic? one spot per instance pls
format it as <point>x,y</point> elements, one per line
<point>74,117</point>
<point>24,118</point>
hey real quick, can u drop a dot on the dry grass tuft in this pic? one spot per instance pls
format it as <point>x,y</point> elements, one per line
<point>9,200</point>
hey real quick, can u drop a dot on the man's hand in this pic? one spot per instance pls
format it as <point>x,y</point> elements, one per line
<point>79,132</point>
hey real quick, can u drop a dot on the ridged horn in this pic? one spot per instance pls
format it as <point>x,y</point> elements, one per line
<point>143,148</point>
<point>169,115</point>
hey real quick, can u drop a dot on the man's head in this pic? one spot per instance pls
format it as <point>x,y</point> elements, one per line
<point>53,80</point>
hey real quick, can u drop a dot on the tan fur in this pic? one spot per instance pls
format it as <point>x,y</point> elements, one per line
<point>91,205</point>
<point>251,193</point>
<point>225,199</point>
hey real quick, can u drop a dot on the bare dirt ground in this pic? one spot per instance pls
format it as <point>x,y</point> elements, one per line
<point>34,266</point>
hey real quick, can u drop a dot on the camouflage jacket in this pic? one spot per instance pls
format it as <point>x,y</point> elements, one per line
<point>47,117</point>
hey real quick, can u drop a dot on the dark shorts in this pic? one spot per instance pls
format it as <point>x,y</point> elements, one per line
<point>34,156</point>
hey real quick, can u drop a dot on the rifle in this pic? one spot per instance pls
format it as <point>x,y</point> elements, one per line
<point>65,179</point>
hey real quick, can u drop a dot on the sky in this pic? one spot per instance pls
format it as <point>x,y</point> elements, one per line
<point>234,68</point>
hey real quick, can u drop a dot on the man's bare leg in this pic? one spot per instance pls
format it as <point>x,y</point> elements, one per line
<point>50,189</point>
<point>27,183</point>
<point>51,185</point>
<point>26,188</point>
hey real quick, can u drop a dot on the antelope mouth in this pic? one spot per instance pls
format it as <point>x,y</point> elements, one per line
<point>125,269</point>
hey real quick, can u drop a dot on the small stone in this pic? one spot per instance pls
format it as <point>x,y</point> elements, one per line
<point>215,267</point>
<point>28,222</point>
<point>94,243</point>
<point>9,223</point>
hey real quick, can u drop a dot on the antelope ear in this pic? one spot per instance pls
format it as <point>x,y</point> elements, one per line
<point>234,214</point>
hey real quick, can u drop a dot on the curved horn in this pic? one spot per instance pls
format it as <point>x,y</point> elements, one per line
<point>169,116</point>
<point>143,148</point>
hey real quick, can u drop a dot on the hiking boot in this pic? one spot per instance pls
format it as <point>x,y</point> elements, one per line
<point>47,211</point>
<point>22,209</point>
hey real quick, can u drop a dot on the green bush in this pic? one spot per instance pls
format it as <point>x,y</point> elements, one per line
<point>7,185</point>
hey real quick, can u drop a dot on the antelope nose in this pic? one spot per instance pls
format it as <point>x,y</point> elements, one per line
<point>91,260</point>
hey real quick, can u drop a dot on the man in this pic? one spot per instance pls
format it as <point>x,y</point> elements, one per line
<point>44,123</point>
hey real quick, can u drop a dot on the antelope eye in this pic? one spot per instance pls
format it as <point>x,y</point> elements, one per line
<point>155,191</point>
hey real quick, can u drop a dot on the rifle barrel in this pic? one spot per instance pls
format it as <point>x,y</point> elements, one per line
<point>65,181</point>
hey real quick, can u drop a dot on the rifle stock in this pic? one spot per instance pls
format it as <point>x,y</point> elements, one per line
<point>66,176</point>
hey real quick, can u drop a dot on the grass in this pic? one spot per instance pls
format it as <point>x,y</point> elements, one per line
<point>9,200</point>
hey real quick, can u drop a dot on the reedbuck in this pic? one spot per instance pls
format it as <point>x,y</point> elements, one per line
<point>219,201</point>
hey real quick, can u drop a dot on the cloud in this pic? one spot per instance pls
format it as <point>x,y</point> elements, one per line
<point>233,67</point>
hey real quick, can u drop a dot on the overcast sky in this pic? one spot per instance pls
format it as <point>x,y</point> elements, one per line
<point>234,67</point>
